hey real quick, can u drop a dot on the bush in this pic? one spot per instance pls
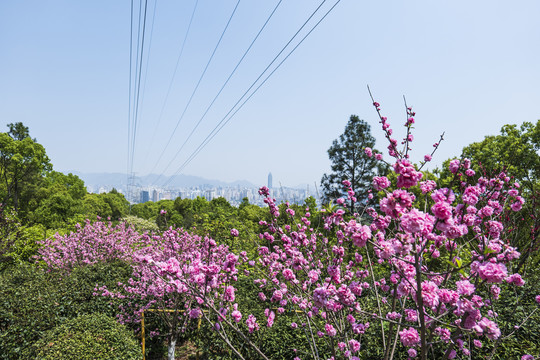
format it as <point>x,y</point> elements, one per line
<point>92,336</point>
<point>33,302</point>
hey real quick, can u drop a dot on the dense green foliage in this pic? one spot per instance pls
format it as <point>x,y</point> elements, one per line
<point>33,301</point>
<point>91,337</point>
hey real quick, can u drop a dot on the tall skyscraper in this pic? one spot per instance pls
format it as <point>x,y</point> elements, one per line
<point>145,196</point>
<point>269,180</point>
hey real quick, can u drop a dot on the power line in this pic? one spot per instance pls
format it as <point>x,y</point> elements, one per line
<point>129,90</point>
<point>224,122</point>
<point>223,86</point>
<point>148,54</point>
<point>136,56</point>
<point>172,79</point>
<point>137,103</point>
<point>197,86</point>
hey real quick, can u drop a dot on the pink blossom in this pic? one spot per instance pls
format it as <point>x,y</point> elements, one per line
<point>495,291</point>
<point>271,317</point>
<point>361,236</point>
<point>288,274</point>
<point>229,294</point>
<point>368,151</point>
<point>491,330</point>
<point>515,279</point>
<point>430,294</point>
<point>442,210</point>
<point>251,323</point>
<point>408,176</point>
<point>464,287</point>
<point>454,166</point>
<point>492,272</point>
<point>416,221</point>
<point>411,315</point>
<point>236,315</point>
<point>330,330</point>
<point>448,296</point>
<point>427,158</point>
<point>393,315</point>
<point>427,186</point>
<point>412,352</point>
<point>409,337</point>
<point>234,232</point>
<point>443,194</point>
<point>354,345</point>
<point>380,182</point>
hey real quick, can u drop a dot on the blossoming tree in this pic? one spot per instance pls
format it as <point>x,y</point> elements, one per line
<point>434,261</point>
<point>181,275</point>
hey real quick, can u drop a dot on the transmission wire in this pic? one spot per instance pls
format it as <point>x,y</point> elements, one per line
<point>222,123</point>
<point>172,81</point>
<point>197,86</point>
<point>139,86</point>
<point>222,87</point>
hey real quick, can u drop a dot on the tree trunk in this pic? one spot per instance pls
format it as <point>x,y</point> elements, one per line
<point>171,348</point>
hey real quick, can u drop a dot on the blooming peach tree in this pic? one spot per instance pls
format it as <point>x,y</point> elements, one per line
<point>431,259</point>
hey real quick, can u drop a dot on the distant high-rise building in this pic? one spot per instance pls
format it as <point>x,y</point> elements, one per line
<point>145,196</point>
<point>269,180</point>
<point>155,196</point>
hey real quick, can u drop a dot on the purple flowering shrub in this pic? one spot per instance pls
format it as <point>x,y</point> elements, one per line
<point>187,275</point>
<point>434,264</point>
<point>91,243</point>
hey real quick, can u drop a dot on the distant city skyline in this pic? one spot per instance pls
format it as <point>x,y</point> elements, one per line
<point>191,188</point>
<point>467,68</point>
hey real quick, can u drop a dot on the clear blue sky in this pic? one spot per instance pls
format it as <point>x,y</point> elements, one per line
<point>467,67</point>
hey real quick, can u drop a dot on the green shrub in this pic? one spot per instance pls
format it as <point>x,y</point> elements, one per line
<point>92,337</point>
<point>33,301</point>
<point>140,224</point>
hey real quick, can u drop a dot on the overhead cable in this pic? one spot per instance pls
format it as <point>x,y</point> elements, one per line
<point>172,79</point>
<point>197,86</point>
<point>223,86</point>
<point>224,120</point>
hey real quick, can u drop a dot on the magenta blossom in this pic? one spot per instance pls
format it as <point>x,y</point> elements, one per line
<point>409,337</point>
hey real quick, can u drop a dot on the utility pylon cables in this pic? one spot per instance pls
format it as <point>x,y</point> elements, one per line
<point>225,120</point>
<point>197,86</point>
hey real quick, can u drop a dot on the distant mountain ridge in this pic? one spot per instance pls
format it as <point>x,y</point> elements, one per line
<point>119,181</point>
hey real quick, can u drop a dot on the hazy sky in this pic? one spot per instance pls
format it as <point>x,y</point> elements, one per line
<point>467,68</point>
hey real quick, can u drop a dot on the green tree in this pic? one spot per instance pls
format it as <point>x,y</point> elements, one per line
<point>23,162</point>
<point>18,131</point>
<point>350,162</point>
<point>117,202</point>
<point>10,231</point>
<point>57,198</point>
